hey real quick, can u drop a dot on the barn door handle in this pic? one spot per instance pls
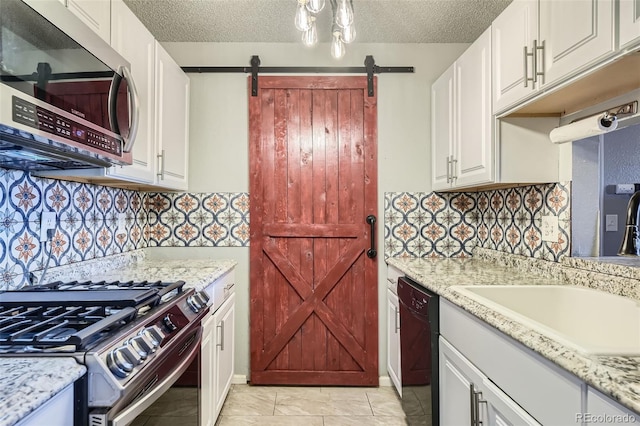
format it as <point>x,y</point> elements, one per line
<point>372,252</point>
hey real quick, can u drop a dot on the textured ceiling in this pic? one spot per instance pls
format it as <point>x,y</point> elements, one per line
<point>376,21</point>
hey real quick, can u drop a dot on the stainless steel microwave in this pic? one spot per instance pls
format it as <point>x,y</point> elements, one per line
<point>67,99</point>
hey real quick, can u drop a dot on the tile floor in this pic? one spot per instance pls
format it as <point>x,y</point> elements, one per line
<point>283,406</point>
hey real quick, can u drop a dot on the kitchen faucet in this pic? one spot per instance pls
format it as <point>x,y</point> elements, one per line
<point>631,241</point>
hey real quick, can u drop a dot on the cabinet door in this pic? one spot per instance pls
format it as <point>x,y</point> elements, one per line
<point>95,13</point>
<point>457,377</point>
<point>629,30</point>
<point>513,31</point>
<point>393,341</point>
<point>139,50</point>
<point>473,153</point>
<point>225,328</point>
<point>207,391</point>
<point>172,121</point>
<point>576,33</point>
<point>603,410</point>
<point>497,409</point>
<point>442,128</point>
<point>57,411</point>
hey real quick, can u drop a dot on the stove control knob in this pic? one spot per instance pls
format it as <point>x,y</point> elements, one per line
<point>195,303</point>
<point>119,362</point>
<point>153,336</point>
<point>169,325</point>
<point>203,296</point>
<point>140,346</point>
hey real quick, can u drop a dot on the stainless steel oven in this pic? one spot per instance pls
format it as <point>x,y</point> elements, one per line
<point>135,339</point>
<point>65,100</point>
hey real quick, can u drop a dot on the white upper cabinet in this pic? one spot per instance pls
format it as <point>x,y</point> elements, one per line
<point>473,161</point>
<point>172,121</point>
<point>629,30</point>
<point>513,32</point>
<point>95,13</point>
<point>538,44</point>
<point>442,128</point>
<point>462,121</point>
<point>575,34</point>
<point>136,44</point>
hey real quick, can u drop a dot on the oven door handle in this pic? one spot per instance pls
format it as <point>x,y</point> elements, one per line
<point>128,415</point>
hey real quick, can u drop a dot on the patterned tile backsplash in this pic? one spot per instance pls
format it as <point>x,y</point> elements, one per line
<point>95,221</point>
<point>451,224</point>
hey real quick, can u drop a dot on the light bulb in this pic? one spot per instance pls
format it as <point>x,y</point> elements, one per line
<point>315,6</point>
<point>349,34</point>
<point>344,14</point>
<point>302,20</point>
<point>310,37</point>
<point>337,46</point>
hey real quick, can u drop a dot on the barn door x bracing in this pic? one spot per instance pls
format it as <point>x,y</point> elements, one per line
<point>314,297</point>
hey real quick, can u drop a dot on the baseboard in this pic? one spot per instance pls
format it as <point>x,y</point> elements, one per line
<point>239,379</point>
<point>384,381</point>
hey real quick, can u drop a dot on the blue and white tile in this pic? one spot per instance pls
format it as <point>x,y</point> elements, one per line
<point>105,202</point>
<point>215,233</point>
<point>215,203</point>
<point>104,244</point>
<point>56,197</point>
<point>25,195</point>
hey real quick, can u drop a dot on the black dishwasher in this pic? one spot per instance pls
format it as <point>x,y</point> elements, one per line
<point>419,331</point>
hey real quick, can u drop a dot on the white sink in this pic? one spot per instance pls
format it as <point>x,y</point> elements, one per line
<point>590,321</point>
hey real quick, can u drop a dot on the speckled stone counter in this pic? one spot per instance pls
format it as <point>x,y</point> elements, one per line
<point>616,376</point>
<point>27,383</point>
<point>134,266</point>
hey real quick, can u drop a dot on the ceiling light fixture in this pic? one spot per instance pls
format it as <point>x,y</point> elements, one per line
<point>343,30</point>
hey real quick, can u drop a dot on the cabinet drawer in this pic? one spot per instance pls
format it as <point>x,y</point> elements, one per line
<point>219,289</point>
<point>550,394</point>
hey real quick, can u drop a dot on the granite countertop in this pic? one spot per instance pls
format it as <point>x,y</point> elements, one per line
<point>27,383</point>
<point>135,266</point>
<point>616,376</point>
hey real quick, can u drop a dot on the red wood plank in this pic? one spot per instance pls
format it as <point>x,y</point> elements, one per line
<point>312,230</point>
<point>313,82</point>
<point>313,378</point>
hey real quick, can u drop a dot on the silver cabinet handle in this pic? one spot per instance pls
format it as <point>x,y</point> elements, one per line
<point>475,401</point>
<point>397,320</point>
<point>448,169</point>
<point>454,176</point>
<point>221,327</point>
<point>534,64</point>
<point>525,55</point>
<point>161,171</point>
<point>134,101</point>
<point>537,73</point>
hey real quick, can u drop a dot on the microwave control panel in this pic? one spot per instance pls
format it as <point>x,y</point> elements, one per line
<point>40,118</point>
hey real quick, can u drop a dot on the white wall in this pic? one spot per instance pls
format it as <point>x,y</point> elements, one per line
<point>219,131</point>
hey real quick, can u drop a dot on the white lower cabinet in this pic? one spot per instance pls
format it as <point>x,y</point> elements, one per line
<point>485,376</point>
<point>468,397</point>
<point>601,410</point>
<point>58,411</point>
<point>217,349</point>
<point>223,351</point>
<point>207,390</point>
<point>393,340</point>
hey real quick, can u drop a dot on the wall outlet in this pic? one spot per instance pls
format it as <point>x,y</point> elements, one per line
<point>122,224</point>
<point>550,228</point>
<point>611,223</point>
<point>47,221</point>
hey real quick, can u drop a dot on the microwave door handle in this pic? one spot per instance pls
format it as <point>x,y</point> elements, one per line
<point>134,110</point>
<point>113,102</point>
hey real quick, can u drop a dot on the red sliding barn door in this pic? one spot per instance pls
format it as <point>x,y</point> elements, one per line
<point>314,297</point>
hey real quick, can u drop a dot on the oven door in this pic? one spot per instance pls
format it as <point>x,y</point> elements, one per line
<point>154,382</point>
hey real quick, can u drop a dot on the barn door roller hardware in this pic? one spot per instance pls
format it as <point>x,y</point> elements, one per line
<point>370,68</point>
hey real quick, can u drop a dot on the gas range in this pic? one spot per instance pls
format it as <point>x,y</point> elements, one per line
<point>135,338</point>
